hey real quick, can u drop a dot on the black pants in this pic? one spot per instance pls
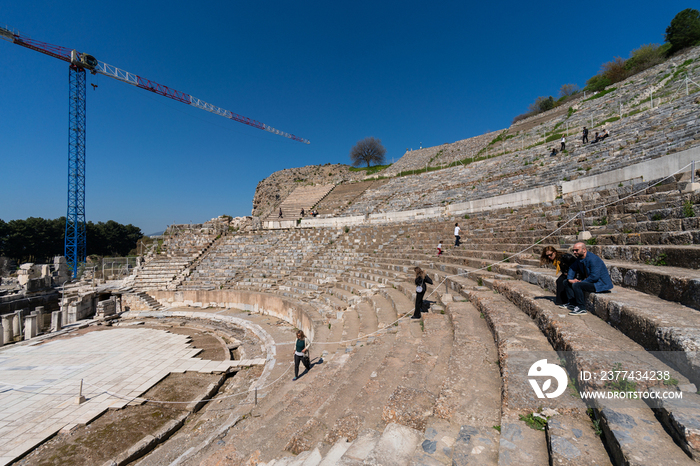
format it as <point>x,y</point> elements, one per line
<point>419,303</point>
<point>457,239</point>
<point>563,146</point>
<point>575,293</point>
<point>561,297</point>
<point>585,138</point>
<point>298,359</point>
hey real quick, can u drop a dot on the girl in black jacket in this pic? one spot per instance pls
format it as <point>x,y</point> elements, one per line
<point>421,280</point>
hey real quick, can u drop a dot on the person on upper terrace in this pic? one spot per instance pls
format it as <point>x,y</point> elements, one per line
<point>302,211</point>
<point>563,144</point>
<point>594,278</point>
<point>561,262</point>
<point>457,237</point>
<point>584,139</point>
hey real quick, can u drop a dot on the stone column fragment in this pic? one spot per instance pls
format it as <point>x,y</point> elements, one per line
<point>30,330</point>
<point>56,321</point>
<point>7,333</point>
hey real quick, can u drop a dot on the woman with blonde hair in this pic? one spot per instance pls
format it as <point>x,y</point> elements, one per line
<point>421,279</point>
<point>301,353</point>
<point>561,262</point>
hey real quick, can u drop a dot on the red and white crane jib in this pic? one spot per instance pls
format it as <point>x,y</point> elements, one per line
<point>95,66</point>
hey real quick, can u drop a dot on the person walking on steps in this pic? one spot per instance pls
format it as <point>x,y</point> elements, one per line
<point>584,139</point>
<point>563,143</point>
<point>301,353</point>
<point>457,237</point>
<point>280,215</point>
<point>421,280</point>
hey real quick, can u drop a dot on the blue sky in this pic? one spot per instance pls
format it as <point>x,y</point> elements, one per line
<point>332,72</point>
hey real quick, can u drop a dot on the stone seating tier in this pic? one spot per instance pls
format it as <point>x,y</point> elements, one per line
<point>643,136</point>
<point>360,285</point>
<point>450,378</point>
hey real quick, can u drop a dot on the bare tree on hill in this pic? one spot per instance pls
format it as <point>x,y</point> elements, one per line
<point>369,150</point>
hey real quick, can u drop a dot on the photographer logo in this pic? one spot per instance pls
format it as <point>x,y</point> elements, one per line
<point>542,369</point>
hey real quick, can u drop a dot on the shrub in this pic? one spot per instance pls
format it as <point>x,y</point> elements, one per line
<point>688,210</point>
<point>644,58</point>
<point>615,70</point>
<point>554,137</point>
<point>597,83</point>
<point>567,90</point>
<point>542,104</point>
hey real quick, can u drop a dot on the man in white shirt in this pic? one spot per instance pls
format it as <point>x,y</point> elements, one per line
<point>563,143</point>
<point>457,238</point>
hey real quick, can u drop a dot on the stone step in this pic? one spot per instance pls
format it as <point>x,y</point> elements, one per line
<point>469,400</point>
<point>360,448</point>
<point>592,345</point>
<point>395,446</point>
<point>670,329</point>
<point>521,344</point>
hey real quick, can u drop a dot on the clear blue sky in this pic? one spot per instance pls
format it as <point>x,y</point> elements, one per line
<point>332,72</point>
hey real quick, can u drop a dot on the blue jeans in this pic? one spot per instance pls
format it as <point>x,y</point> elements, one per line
<point>574,291</point>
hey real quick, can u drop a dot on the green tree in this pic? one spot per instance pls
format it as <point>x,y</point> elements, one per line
<point>684,30</point>
<point>368,150</point>
<point>39,240</point>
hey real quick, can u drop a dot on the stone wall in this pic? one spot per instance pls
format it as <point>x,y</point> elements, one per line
<point>10,304</point>
<point>260,303</point>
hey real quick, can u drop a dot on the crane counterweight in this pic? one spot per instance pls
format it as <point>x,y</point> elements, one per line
<point>83,60</point>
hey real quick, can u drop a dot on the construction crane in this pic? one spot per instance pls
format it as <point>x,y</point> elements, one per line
<point>79,63</point>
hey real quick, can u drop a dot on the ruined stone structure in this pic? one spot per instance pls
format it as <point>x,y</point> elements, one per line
<point>458,386</point>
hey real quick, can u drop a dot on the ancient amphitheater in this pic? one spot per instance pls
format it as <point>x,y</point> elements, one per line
<point>458,386</point>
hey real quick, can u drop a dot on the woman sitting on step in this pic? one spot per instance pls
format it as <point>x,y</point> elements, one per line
<point>421,279</point>
<point>562,262</point>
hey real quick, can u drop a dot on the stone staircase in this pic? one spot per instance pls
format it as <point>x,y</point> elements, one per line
<point>145,298</point>
<point>178,252</point>
<point>303,197</point>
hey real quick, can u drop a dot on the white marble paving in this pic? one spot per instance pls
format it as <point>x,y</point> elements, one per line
<point>39,384</point>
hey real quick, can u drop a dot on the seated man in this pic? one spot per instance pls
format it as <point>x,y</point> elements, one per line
<point>595,278</point>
